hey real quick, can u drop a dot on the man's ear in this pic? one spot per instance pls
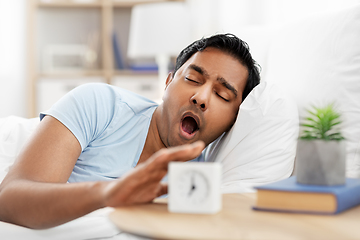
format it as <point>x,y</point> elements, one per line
<point>169,79</point>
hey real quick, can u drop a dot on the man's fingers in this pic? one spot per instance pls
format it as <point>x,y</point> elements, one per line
<point>193,149</point>
<point>163,189</point>
<point>179,153</point>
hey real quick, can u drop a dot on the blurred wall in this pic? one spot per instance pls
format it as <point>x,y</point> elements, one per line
<point>237,14</point>
<point>12,58</point>
<point>208,17</point>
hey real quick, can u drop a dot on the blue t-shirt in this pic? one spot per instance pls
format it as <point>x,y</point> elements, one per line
<point>111,125</point>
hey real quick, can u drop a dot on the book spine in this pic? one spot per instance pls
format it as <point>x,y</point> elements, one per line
<point>117,52</point>
<point>348,199</point>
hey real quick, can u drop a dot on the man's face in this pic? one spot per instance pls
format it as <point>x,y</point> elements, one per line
<point>202,100</point>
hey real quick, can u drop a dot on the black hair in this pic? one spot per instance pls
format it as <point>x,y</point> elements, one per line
<point>229,44</point>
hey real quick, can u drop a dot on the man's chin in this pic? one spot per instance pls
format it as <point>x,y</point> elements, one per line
<point>181,141</point>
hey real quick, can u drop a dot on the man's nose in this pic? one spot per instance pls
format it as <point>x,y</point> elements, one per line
<point>201,97</point>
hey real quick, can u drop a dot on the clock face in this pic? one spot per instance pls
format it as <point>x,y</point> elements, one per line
<point>193,187</point>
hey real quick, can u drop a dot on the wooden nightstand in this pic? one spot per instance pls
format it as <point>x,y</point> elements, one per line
<point>237,220</point>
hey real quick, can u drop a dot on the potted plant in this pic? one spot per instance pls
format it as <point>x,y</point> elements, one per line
<point>320,158</point>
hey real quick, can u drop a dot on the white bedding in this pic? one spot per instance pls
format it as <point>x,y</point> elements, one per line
<point>95,225</point>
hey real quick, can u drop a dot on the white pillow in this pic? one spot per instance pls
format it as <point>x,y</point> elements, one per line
<point>261,146</point>
<point>14,131</point>
<point>318,61</point>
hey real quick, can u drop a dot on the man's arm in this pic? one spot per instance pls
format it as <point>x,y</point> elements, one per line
<point>34,193</point>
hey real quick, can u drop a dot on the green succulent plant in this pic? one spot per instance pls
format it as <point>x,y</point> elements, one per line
<point>322,124</point>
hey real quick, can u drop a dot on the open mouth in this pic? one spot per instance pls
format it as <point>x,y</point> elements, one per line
<point>189,125</point>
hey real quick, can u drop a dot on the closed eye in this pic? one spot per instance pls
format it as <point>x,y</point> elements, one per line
<point>191,80</point>
<point>226,100</point>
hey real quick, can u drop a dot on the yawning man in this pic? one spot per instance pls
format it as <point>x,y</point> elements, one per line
<point>104,146</point>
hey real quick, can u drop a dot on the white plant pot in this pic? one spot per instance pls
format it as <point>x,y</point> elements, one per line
<point>320,162</point>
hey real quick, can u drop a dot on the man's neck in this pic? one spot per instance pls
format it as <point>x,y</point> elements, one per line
<point>153,142</point>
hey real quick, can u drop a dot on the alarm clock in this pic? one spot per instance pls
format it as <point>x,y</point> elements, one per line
<point>194,187</point>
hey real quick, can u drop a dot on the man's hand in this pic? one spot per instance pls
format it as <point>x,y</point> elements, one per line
<point>142,184</point>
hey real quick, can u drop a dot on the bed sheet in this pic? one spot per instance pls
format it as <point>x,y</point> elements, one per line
<point>95,225</point>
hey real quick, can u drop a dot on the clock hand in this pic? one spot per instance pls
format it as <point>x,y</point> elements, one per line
<point>192,185</point>
<point>192,189</point>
